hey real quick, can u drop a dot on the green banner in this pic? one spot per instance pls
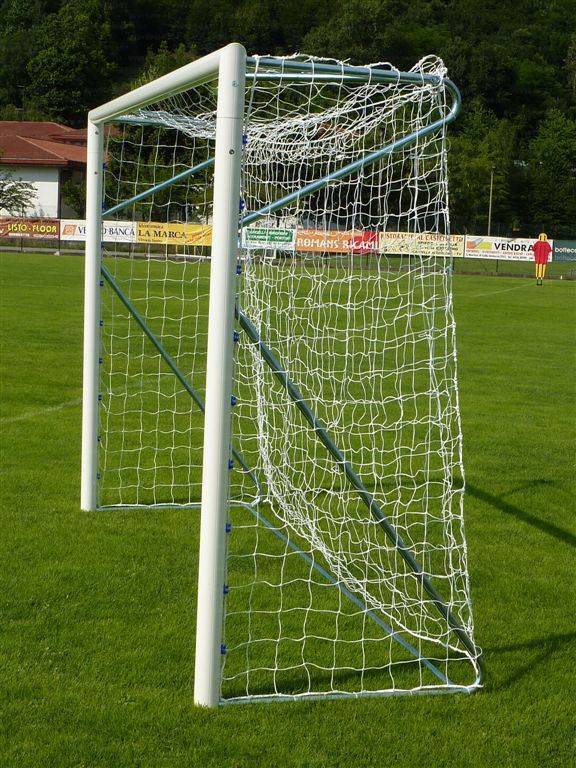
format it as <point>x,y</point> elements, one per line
<point>564,250</point>
<point>269,237</point>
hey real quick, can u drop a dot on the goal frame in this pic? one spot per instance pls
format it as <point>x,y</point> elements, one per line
<point>229,66</point>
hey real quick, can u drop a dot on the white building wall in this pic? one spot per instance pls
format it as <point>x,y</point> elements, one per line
<point>45,181</point>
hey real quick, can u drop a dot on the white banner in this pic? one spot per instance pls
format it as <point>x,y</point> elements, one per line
<point>421,243</point>
<point>518,249</point>
<point>112,231</point>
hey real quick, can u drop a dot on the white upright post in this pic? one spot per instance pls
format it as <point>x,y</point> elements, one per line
<point>92,316</point>
<point>215,472</point>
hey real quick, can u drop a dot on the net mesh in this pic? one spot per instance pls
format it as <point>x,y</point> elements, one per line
<point>151,429</point>
<point>319,599</point>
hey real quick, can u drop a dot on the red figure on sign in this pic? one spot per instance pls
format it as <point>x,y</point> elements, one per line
<point>542,251</point>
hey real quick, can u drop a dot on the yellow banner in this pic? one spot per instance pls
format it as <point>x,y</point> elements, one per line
<point>173,234</point>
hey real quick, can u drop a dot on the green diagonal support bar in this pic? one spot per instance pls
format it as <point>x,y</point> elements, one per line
<point>352,597</point>
<point>158,187</point>
<point>199,402</point>
<point>374,508</point>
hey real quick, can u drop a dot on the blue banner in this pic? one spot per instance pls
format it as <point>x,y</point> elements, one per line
<point>564,250</point>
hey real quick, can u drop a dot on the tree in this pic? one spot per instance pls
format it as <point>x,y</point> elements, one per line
<point>483,147</point>
<point>15,195</point>
<point>571,66</point>
<point>553,175</point>
<point>73,194</point>
<point>162,61</point>
<point>71,72</point>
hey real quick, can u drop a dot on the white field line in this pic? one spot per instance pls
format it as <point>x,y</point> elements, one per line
<point>41,411</point>
<point>59,407</point>
<point>525,284</point>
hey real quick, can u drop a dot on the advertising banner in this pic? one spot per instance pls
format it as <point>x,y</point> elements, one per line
<point>36,229</point>
<point>334,241</point>
<point>518,249</point>
<point>272,238</point>
<point>564,250</point>
<point>421,243</point>
<point>112,231</point>
<point>173,234</point>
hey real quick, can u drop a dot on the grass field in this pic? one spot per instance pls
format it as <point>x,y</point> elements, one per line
<point>97,611</point>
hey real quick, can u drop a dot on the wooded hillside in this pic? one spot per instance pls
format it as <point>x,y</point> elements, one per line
<point>515,63</point>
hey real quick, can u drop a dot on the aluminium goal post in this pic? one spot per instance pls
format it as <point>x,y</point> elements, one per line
<point>276,345</point>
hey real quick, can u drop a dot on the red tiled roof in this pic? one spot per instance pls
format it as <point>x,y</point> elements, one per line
<point>37,130</point>
<point>70,152</point>
<point>31,143</point>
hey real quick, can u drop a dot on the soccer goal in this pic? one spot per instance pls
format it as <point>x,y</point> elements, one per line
<point>274,345</point>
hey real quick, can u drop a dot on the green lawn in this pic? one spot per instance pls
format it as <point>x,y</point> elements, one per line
<point>97,610</point>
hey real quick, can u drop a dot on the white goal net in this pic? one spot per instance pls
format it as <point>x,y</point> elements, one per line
<point>346,554</point>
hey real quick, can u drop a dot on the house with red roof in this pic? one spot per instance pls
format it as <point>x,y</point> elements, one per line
<point>45,155</point>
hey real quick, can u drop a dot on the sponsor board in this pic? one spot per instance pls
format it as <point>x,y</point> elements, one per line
<point>112,231</point>
<point>173,234</point>
<point>288,238</point>
<point>40,229</point>
<point>517,249</point>
<point>422,244</point>
<point>334,241</point>
<point>564,250</point>
<point>276,238</point>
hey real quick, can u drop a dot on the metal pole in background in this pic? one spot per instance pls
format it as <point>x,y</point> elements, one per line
<point>490,201</point>
<point>215,470</point>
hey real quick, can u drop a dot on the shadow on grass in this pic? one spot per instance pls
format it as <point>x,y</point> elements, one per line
<point>527,517</point>
<point>546,646</point>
